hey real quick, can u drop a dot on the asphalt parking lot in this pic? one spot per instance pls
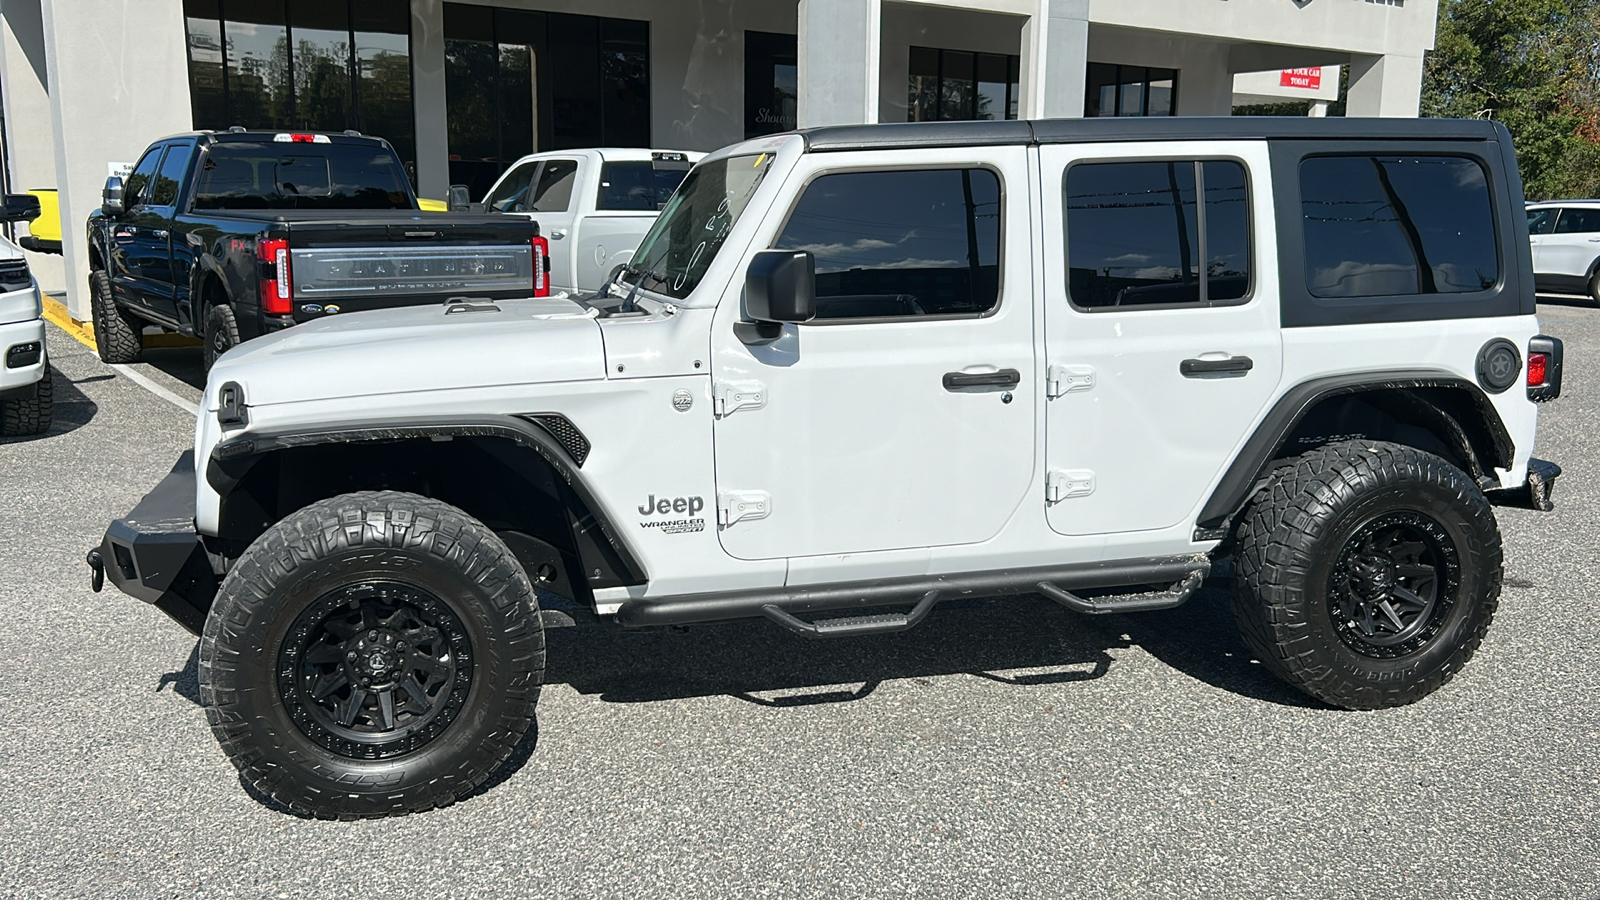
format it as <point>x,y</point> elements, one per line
<point>1002,749</point>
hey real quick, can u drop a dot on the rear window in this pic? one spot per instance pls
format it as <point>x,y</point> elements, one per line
<point>636,185</point>
<point>251,175</point>
<point>1383,226</point>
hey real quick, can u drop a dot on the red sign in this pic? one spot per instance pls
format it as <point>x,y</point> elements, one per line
<point>1310,79</point>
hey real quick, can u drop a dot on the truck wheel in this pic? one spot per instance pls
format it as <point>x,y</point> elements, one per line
<point>118,336</point>
<point>371,655</point>
<point>222,333</point>
<point>23,417</point>
<point>1368,573</point>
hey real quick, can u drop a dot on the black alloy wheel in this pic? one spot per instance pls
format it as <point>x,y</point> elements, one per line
<point>1393,585</point>
<point>375,669</point>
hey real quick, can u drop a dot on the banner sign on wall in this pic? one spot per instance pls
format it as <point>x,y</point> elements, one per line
<point>1306,79</point>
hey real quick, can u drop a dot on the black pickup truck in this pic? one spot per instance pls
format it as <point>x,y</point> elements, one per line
<point>226,236</point>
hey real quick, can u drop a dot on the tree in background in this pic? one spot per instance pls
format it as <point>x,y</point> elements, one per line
<point>1531,65</point>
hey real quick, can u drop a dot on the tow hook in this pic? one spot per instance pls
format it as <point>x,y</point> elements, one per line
<point>97,575</point>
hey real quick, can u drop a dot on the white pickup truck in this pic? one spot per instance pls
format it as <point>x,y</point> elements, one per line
<point>592,205</point>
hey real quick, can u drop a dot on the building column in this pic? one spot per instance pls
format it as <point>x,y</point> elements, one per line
<point>1386,85</point>
<point>1055,60</point>
<point>100,118</point>
<point>428,99</point>
<point>840,42</point>
<point>30,158</point>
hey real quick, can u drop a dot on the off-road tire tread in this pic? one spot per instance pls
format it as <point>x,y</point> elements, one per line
<point>117,335</point>
<point>1274,540</point>
<point>23,417</point>
<point>377,520</point>
<point>219,315</point>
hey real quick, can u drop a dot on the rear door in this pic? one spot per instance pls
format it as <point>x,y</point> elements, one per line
<point>902,417</point>
<point>1541,221</point>
<point>1569,251</point>
<point>1161,325</point>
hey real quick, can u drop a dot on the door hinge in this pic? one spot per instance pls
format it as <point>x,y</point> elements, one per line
<point>733,395</point>
<point>1059,485</point>
<point>735,505</point>
<point>1068,380</point>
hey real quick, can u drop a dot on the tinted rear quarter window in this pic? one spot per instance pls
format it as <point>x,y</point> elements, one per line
<point>901,243</point>
<point>1378,226</point>
<point>636,185</point>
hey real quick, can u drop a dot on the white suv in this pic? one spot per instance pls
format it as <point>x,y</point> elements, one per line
<point>880,366</point>
<point>1565,235</point>
<point>26,391</point>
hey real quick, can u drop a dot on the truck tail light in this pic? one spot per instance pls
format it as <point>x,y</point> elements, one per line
<point>541,265</point>
<point>1544,368</point>
<point>275,283</point>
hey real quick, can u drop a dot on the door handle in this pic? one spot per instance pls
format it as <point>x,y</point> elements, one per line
<point>1194,368</point>
<point>558,234</point>
<point>1002,378</point>
<point>161,233</point>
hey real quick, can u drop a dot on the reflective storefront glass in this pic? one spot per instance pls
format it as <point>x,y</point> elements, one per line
<point>325,65</point>
<point>954,84</point>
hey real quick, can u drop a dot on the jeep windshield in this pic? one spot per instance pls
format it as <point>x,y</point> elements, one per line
<point>678,249</point>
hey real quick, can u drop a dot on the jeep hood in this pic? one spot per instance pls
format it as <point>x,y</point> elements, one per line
<point>416,348</point>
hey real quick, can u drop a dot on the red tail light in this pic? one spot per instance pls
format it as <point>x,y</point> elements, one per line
<point>1538,364</point>
<point>275,284</point>
<point>541,266</point>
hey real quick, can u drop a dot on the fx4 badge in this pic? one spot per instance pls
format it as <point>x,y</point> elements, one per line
<point>666,506</point>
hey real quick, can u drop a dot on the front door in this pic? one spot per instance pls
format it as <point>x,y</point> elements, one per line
<point>1541,222</point>
<point>1567,255</point>
<point>133,237</point>
<point>1161,326</point>
<point>551,203</point>
<point>903,415</point>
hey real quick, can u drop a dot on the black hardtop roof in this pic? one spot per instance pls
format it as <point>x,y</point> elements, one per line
<point>908,135</point>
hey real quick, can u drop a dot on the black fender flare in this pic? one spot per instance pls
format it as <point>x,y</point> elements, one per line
<point>1254,460</point>
<point>233,457</point>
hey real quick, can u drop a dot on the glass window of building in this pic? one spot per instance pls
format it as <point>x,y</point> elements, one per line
<point>503,97</point>
<point>1130,91</point>
<point>322,65</point>
<point>771,83</point>
<point>949,85</point>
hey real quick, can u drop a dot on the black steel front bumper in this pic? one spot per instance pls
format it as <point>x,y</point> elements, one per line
<point>155,555</point>
<point>1535,493</point>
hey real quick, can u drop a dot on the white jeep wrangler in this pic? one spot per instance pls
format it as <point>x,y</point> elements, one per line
<point>862,367</point>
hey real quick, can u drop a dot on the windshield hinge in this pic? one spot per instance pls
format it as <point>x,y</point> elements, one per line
<point>734,395</point>
<point>735,505</point>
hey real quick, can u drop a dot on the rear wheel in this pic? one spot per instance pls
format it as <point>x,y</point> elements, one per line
<point>1368,573</point>
<point>222,333</point>
<point>21,417</point>
<point>373,654</point>
<point>1594,287</point>
<point>117,335</point>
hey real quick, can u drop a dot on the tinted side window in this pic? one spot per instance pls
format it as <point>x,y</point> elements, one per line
<point>1380,226</point>
<point>136,189</point>
<point>512,192</point>
<point>909,243</point>
<point>1136,235</point>
<point>164,190</point>
<point>554,190</point>
<point>1541,221</point>
<point>1578,221</point>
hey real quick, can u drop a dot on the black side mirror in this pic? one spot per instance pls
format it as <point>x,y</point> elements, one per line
<point>459,199</point>
<point>19,208</point>
<point>111,197</point>
<point>781,286</point>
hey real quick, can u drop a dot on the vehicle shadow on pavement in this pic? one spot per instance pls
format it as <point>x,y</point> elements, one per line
<point>1019,641</point>
<point>186,681</point>
<point>186,364</point>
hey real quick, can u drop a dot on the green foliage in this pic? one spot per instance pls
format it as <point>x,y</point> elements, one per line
<point>1532,65</point>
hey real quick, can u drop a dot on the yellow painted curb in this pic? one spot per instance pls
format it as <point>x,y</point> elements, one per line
<point>56,312</point>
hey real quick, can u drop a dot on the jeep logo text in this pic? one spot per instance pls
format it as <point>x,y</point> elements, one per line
<point>690,505</point>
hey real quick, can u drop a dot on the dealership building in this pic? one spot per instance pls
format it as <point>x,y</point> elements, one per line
<point>461,89</point>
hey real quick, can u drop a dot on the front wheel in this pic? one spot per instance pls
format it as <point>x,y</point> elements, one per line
<point>23,417</point>
<point>118,336</point>
<point>373,654</point>
<point>1368,573</point>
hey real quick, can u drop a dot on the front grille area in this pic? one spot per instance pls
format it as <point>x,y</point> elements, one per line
<point>14,276</point>
<point>565,433</point>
